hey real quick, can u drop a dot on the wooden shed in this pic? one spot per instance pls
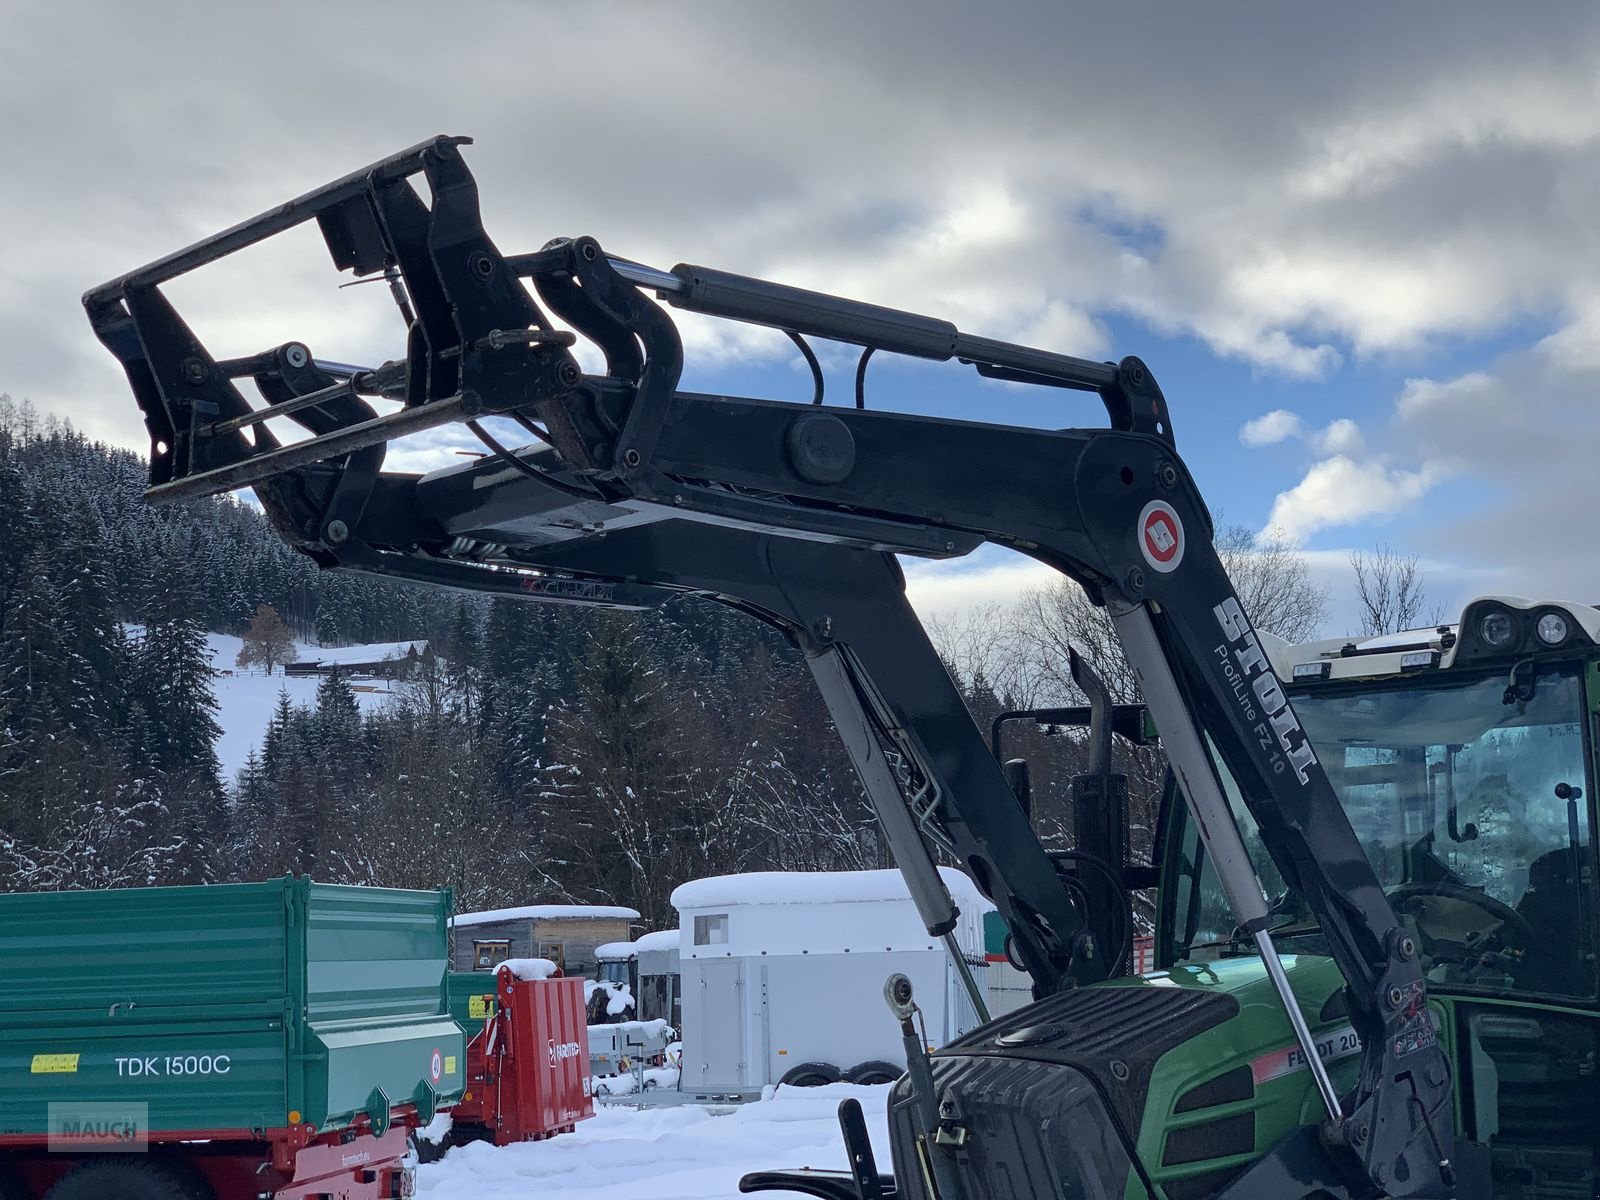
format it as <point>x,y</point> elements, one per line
<point>566,934</point>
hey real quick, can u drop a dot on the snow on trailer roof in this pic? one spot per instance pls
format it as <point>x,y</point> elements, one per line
<point>664,939</point>
<point>549,912</point>
<point>813,887</point>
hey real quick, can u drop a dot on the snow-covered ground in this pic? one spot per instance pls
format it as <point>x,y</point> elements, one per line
<point>665,1078</point>
<point>663,1153</point>
<point>246,699</point>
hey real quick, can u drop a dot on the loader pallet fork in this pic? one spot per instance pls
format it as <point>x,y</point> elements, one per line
<point>794,513</point>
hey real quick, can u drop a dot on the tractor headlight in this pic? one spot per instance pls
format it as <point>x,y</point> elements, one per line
<point>1552,629</point>
<point>1498,629</point>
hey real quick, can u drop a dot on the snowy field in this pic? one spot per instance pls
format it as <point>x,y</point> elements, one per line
<point>663,1153</point>
<point>246,700</point>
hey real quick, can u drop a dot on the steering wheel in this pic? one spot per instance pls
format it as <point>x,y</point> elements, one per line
<point>1510,919</point>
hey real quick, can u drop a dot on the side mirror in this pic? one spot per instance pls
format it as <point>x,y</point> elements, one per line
<point>1019,778</point>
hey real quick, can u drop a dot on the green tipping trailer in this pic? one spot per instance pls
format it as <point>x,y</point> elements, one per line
<point>269,1016</point>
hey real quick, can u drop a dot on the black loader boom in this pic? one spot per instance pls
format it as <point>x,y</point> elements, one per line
<point>795,513</point>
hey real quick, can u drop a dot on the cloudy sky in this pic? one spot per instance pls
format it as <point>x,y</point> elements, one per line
<point>1356,243</point>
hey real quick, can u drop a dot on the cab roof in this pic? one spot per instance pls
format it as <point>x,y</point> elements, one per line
<point>1516,624</point>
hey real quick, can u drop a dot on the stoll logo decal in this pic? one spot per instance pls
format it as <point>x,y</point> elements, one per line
<point>562,1050</point>
<point>1161,536</point>
<point>113,1128</point>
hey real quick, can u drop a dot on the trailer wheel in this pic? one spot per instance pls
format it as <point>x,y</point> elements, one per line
<point>130,1178</point>
<point>876,1071</point>
<point>810,1074</point>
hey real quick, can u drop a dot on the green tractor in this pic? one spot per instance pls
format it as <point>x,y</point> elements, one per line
<point>1410,819</point>
<point>1464,759</point>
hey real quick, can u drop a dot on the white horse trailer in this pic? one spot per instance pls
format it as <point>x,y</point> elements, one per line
<point>783,977</point>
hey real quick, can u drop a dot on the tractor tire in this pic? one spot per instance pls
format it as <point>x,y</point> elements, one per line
<point>810,1074</point>
<point>876,1071</point>
<point>129,1177</point>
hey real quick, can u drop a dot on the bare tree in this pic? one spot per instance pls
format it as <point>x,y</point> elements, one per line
<point>1274,583</point>
<point>268,642</point>
<point>1391,592</point>
<point>1274,586</point>
<point>988,642</point>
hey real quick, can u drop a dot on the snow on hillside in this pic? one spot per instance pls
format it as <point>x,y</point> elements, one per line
<point>663,1153</point>
<point>376,652</point>
<point>246,699</point>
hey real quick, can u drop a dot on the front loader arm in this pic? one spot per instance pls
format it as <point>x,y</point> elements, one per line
<point>792,512</point>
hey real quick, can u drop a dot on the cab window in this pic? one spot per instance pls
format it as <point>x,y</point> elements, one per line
<point>1474,805</point>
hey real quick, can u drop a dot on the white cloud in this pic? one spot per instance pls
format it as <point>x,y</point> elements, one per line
<point>1286,209</point>
<point>991,576</point>
<point>1341,490</point>
<point>1338,437</point>
<point>1428,399</point>
<point>1518,436</point>
<point>1342,436</point>
<point>1271,428</point>
<point>1576,346</point>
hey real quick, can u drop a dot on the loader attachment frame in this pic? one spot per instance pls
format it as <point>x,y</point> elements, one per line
<point>794,512</point>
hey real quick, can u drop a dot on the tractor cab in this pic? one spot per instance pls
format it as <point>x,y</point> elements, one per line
<point>1464,757</point>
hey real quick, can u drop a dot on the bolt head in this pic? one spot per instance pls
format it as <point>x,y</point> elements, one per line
<point>1396,997</point>
<point>1136,580</point>
<point>337,532</point>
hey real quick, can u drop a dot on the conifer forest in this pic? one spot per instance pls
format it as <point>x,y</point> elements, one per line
<point>534,753</point>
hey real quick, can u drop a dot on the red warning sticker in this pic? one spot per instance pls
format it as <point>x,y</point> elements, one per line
<point>436,1066</point>
<point>1161,536</point>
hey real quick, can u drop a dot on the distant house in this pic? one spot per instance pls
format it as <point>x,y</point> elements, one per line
<point>567,934</point>
<point>386,660</point>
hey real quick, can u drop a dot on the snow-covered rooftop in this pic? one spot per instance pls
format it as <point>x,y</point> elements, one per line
<point>812,887</point>
<point>662,939</point>
<point>548,912</point>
